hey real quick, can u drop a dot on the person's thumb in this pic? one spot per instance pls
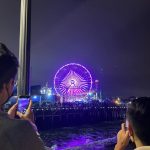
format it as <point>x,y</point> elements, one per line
<point>19,114</point>
<point>12,111</point>
<point>127,137</point>
<point>127,134</point>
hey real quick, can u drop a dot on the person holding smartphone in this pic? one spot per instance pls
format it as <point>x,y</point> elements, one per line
<point>137,128</point>
<point>15,134</point>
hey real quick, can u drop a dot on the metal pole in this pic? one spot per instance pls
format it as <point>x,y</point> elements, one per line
<point>24,48</point>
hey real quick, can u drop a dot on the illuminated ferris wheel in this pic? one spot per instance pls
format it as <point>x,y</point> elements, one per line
<point>72,80</point>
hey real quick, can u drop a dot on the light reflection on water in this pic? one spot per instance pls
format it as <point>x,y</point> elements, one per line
<point>89,137</point>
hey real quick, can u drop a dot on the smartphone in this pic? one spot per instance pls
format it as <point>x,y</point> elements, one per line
<point>23,103</point>
<point>126,124</point>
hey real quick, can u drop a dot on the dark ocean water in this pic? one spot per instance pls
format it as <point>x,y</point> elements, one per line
<point>88,137</point>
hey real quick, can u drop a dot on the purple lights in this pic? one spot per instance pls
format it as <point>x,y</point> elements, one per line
<point>73,80</point>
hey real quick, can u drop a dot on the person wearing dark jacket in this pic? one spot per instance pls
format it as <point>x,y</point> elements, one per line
<point>15,134</point>
<point>137,127</point>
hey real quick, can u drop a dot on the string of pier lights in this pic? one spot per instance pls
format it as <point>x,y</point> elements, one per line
<point>81,108</point>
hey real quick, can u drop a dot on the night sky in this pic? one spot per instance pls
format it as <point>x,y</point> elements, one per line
<point>110,38</point>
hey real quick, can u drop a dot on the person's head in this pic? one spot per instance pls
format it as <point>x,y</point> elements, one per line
<point>8,71</point>
<point>138,115</point>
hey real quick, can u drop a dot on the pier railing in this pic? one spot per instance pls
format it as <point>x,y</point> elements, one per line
<point>70,116</point>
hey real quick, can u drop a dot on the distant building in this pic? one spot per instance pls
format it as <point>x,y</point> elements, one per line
<point>35,90</point>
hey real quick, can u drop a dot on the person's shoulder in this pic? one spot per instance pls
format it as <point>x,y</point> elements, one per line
<point>16,127</point>
<point>10,124</point>
<point>20,124</point>
<point>19,130</point>
<point>6,123</point>
<point>15,131</point>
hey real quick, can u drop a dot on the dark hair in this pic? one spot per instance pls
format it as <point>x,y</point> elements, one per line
<point>8,65</point>
<point>138,113</point>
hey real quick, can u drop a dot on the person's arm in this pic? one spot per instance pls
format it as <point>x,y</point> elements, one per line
<point>28,125</point>
<point>122,138</point>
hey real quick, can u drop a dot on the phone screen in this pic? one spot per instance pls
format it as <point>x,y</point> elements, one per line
<point>126,124</point>
<point>23,103</point>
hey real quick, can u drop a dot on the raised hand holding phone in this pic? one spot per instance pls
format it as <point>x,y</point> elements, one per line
<point>28,114</point>
<point>122,138</point>
<point>25,115</point>
<point>23,109</point>
<point>23,103</point>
